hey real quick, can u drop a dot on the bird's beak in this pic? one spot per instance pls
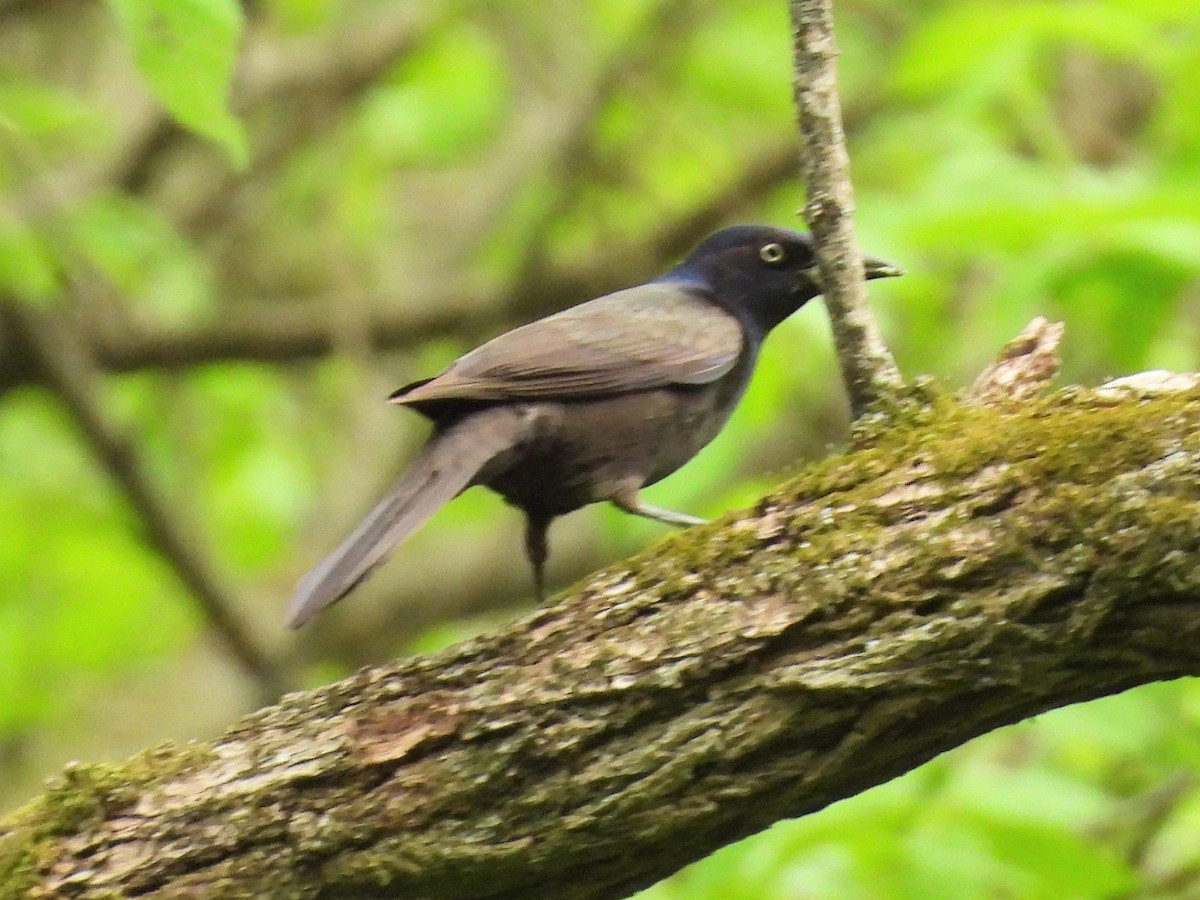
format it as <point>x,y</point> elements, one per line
<point>877,268</point>
<point>872,268</point>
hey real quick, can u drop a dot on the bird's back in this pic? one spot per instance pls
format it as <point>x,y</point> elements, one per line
<point>650,336</point>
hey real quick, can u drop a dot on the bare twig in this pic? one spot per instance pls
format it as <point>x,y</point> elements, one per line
<point>66,370</point>
<point>867,365</point>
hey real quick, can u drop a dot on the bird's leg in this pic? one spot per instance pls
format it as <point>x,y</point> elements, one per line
<point>630,501</point>
<point>536,527</point>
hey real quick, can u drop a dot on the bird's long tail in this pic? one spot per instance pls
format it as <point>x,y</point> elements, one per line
<point>446,467</point>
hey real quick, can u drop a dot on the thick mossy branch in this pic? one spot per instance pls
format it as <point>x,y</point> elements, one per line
<point>960,569</point>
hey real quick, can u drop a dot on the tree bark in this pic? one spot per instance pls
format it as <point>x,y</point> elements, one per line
<point>957,570</point>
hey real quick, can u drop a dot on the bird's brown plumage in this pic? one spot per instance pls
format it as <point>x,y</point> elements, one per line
<point>633,340</point>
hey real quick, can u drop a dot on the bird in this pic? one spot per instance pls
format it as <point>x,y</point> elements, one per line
<point>589,404</point>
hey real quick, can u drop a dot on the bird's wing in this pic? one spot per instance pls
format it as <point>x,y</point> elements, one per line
<point>641,338</point>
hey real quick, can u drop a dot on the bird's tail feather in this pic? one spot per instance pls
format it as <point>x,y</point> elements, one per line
<point>446,467</point>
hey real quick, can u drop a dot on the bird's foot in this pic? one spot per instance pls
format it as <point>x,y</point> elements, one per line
<point>631,502</point>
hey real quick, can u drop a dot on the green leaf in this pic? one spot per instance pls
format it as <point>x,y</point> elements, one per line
<point>186,50</point>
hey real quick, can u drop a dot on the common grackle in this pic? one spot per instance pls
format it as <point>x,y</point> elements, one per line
<point>589,404</point>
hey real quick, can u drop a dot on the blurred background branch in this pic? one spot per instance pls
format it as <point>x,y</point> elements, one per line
<point>57,355</point>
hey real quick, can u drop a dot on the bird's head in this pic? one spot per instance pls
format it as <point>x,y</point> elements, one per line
<point>760,273</point>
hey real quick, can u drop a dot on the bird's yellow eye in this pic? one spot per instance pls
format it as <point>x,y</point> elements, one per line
<point>772,254</point>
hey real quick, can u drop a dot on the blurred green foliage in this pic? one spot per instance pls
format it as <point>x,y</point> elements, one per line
<point>186,50</point>
<point>1017,158</point>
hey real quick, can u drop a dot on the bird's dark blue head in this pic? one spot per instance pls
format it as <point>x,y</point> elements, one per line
<point>760,273</point>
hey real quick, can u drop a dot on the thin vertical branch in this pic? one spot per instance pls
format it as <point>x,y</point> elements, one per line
<point>867,365</point>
